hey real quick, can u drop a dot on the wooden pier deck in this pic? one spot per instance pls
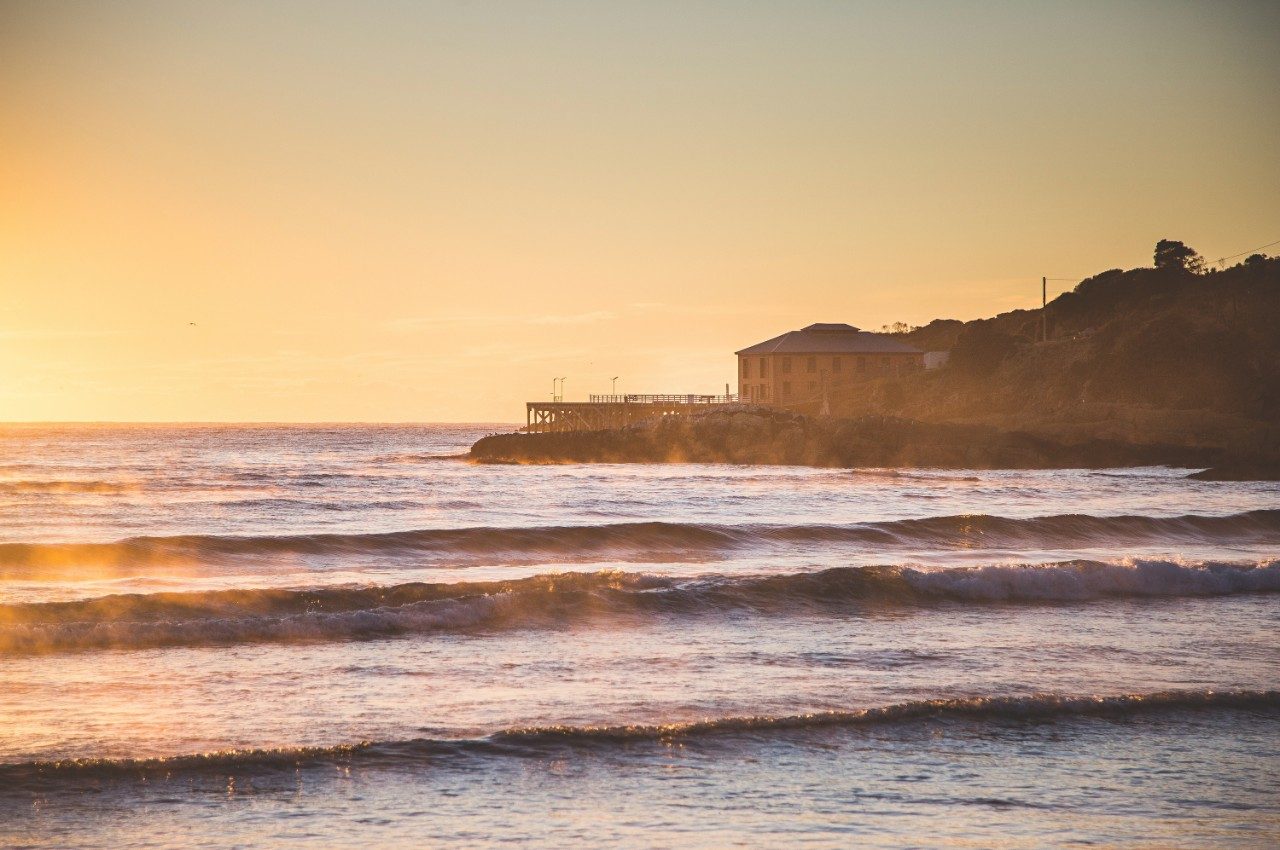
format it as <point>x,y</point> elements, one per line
<point>603,412</point>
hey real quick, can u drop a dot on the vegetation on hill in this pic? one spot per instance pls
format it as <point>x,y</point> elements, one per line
<point>1167,354</point>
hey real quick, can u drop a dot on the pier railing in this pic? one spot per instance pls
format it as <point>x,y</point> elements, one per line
<point>643,398</point>
<point>603,412</point>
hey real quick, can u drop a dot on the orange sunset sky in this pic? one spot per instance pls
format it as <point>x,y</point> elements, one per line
<point>426,211</point>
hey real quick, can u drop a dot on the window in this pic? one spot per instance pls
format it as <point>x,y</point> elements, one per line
<point>862,364</point>
<point>812,365</point>
<point>786,388</point>
<point>746,368</point>
<point>764,392</point>
<point>835,364</point>
<point>786,365</point>
<point>813,386</point>
<point>764,367</point>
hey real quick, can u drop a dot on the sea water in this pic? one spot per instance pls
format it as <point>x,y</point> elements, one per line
<point>352,636</point>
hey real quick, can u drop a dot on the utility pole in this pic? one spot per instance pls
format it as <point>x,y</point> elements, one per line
<point>1044,303</point>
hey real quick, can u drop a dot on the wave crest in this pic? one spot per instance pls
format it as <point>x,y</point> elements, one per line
<point>66,486</point>
<point>642,540</point>
<point>523,741</point>
<point>135,621</point>
<point>1039,706</point>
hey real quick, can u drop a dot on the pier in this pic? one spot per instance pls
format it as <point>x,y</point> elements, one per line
<point>603,412</point>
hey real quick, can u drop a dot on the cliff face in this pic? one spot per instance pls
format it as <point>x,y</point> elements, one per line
<point>767,437</point>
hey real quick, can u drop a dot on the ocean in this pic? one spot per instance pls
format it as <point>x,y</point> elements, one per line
<point>350,636</point>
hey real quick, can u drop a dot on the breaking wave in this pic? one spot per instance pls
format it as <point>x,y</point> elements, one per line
<point>65,486</point>
<point>646,540</point>
<point>419,457</point>
<point>539,740</point>
<point>132,621</point>
<point>894,475</point>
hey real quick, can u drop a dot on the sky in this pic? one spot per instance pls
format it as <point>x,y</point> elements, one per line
<point>418,211</point>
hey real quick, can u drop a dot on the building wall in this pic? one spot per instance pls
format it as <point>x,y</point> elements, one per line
<point>781,379</point>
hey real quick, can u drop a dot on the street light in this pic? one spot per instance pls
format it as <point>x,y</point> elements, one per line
<point>614,391</point>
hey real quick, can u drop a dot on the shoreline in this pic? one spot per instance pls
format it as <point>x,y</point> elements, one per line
<point>765,437</point>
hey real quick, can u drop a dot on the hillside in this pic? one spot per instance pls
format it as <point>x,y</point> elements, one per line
<point>1161,365</point>
<point>1154,355</point>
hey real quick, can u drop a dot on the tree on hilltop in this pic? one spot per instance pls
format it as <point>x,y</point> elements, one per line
<point>1172,255</point>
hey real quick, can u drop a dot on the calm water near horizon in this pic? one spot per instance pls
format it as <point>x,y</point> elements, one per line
<point>349,635</point>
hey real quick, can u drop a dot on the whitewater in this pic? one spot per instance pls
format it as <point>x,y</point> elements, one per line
<point>351,635</point>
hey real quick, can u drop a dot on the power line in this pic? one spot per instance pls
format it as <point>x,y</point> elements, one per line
<point>1219,261</point>
<point>1242,253</point>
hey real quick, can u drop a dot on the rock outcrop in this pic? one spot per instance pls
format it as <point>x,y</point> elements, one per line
<point>761,436</point>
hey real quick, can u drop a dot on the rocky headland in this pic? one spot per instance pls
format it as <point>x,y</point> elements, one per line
<point>1168,365</point>
<point>760,436</point>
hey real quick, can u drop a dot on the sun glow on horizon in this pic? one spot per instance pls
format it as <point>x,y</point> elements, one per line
<point>424,213</point>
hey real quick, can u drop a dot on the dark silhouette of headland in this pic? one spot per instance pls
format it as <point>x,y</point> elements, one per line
<point>1173,364</point>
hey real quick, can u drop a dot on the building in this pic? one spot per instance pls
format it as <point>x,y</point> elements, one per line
<point>804,366</point>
